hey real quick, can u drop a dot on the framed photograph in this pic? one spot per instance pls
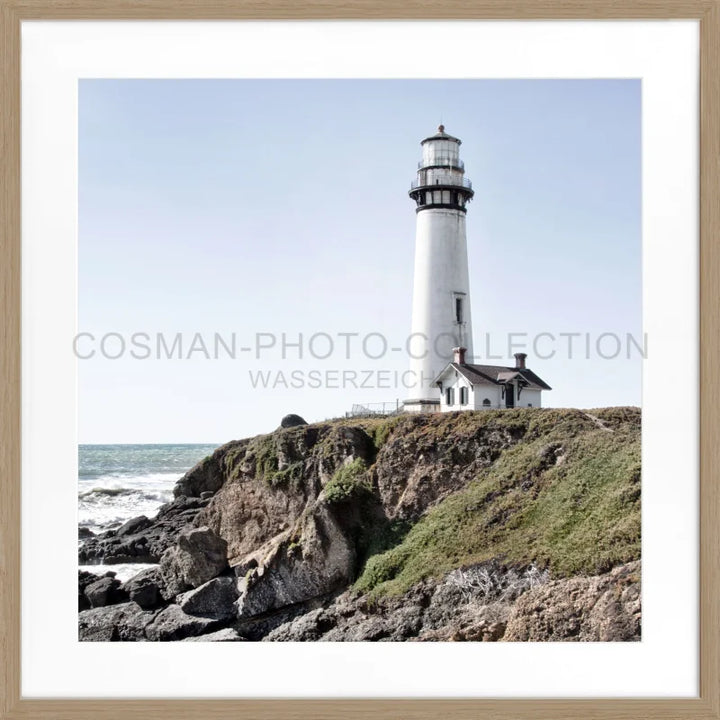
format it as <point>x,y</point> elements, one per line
<point>359,360</point>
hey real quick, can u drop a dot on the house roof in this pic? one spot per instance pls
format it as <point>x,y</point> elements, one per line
<point>496,375</point>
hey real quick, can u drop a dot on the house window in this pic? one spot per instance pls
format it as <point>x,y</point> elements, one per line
<point>450,396</point>
<point>486,403</point>
<point>458,310</point>
<point>463,396</point>
<point>529,404</point>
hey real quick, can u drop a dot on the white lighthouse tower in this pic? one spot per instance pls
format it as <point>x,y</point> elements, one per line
<point>441,317</point>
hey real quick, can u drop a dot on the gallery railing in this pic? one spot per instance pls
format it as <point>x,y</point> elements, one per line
<point>446,182</point>
<point>369,409</point>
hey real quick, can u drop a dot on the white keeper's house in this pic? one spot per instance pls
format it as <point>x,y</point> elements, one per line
<point>441,317</point>
<point>467,386</point>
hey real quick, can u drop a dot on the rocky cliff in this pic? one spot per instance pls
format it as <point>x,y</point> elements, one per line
<point>496,525</point>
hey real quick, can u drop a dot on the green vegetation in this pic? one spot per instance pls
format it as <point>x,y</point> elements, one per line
<point>377,537</point>
<point>263,452</point>
<point>233,461</point>
<point>567,497</point>
<point>266,459</point>
<point>380,430</point>
<point>291,475</point>
<point>348,482</point>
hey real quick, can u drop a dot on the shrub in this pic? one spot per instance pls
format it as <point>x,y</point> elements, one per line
<point>348,482</point>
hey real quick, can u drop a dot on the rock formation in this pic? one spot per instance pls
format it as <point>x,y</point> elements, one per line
<point>487,526</point>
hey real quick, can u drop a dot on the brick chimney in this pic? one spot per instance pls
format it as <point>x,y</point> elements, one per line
<point>520,361</point>
<point>459,355</point>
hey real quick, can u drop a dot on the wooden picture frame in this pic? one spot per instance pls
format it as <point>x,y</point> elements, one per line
<point>706,706</point>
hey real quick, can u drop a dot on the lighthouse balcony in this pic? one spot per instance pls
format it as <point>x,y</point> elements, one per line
<point>448,182</point>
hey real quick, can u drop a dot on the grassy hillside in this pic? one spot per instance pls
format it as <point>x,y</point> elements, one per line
<point>566,496</point>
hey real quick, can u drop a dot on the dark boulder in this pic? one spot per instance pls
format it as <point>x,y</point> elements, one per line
<point>199,555</point>
<point>174,624</point>
<point>85,579</point>
<point>105,591</point>
<point>124,622</point>
<point>146,588</point>
<point>133,526</point>
<point>290,421</point>
<point>214,599</point>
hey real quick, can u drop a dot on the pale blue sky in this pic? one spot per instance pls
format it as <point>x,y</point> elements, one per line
<point>258,206</point>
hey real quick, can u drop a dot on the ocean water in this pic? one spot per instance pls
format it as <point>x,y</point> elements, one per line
<point>119,482</point>
<point>123,571</point>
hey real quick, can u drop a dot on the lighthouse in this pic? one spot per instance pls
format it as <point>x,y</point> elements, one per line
<point>441,317</point>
